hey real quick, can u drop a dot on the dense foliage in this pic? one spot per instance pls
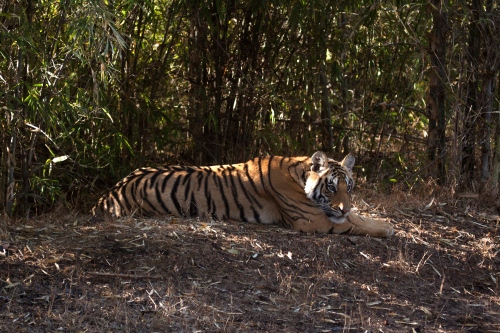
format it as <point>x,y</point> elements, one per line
<point>91,89</point>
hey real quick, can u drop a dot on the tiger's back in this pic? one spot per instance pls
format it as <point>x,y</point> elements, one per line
<point>239,192</point>
<point>310,194</point>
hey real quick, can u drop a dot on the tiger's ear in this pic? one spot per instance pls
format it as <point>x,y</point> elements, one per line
<point>319,161</point>
<point>348,162</point>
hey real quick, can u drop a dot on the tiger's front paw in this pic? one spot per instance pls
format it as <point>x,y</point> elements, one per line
<point>387,230</point>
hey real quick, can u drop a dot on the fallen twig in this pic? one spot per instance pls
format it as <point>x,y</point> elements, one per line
<point>127,276</point>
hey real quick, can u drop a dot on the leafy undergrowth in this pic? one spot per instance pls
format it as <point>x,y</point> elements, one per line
<point>439,273</point>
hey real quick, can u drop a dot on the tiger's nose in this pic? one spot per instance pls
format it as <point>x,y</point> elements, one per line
<point>343,209</point>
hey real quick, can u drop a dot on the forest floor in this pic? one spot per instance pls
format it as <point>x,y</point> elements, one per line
<point>438,273</point>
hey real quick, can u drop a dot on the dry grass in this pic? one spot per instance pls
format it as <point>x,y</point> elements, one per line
<point>439,273</point>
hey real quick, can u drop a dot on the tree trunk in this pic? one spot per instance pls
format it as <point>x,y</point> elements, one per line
<point>489,69</point>
<point>436,97</point>
<point>495,173</point>
<point>496,160</point>
<point>326,113</point>
<point>486,128</point>
<point>471,112</point>
<point>198,103</point>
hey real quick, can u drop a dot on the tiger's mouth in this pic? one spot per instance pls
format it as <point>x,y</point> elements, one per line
<point>335,215</point>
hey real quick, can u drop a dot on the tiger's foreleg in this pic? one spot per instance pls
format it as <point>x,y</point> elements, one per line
<point>363,226</point>
<point>315,224</point>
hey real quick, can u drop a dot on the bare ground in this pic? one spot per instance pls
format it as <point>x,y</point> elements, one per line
<point>439,273</point>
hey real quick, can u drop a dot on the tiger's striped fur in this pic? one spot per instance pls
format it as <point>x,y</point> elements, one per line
<point>311,194</point>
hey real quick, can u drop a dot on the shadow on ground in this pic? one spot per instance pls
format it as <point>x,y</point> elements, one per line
<point>439,273</point>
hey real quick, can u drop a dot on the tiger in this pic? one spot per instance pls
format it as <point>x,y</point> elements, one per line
<point>308,194</point>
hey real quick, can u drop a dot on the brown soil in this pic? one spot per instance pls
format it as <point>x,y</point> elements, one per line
<point>439,273</point>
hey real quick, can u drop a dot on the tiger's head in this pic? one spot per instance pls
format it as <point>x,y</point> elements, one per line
<point>329,185</point>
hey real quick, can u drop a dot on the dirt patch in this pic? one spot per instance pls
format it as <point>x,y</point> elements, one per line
<point>439,273</point>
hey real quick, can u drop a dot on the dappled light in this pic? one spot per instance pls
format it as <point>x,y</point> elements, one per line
<point>92,90</point>
<point>435,274</point>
